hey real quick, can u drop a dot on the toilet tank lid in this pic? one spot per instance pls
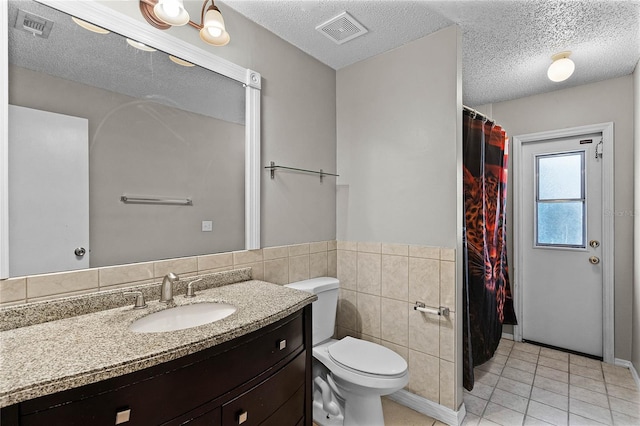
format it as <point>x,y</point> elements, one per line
<point>316,285</point>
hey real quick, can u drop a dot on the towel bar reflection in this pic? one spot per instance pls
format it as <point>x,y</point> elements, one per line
<point>156,200</point>
<point>442,310</point>
<point>273,167</point>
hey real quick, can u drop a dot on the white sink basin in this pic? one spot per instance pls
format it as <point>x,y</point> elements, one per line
<point>182,317</point>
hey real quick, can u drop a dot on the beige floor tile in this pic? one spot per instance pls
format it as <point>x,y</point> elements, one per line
<point>532,421</point>
<point>623,393</point>
<point>552,373</point>
<point>621,381</point>
<point>552,353</point>
<point>481,391</point>
<point>551,385</point>
<point>474,404</point>
<point>556,364</point>
<point>547,413</point>
<point>518,375</point>
<point>491,367</point>
<point>514,387</point>
<point>620,419</point>
<point>587,383</point>
<point>550,398</point>
<point>592,373</point>
<point>584,361</point>
<point>625,407</point>
<point>590,411</point>
<point>586,395</point>
<point>503,415</point>
<point>470,420</point>
<point>521,365</point>
<point>525,356</point>
<point>526,347</point>
<point>398,415</point>
<point>486,378</point>
<point>576,420</point>
<point>487,422</point>
<point>510,400</point>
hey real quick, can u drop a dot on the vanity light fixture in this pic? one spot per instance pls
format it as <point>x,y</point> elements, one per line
<point>163,14</point>
<point>90,27</point>
<point>140,46</point>
<point>561,68</point>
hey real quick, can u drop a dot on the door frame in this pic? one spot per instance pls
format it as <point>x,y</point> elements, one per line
<point>608,332</point>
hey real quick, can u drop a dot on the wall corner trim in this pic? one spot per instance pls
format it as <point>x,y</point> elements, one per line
<point>628,364</point>
<point>429,408</point>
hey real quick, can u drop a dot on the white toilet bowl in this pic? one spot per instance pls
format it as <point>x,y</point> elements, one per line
<point>360,372</point>
<point>349,375</point>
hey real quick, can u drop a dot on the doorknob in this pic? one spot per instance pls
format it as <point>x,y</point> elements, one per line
<point>594,243</point>
<point>80,251</point>
<point>594,260</point>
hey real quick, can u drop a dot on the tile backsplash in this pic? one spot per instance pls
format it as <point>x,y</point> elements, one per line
<point>280,265</point>
<point>379,285</point>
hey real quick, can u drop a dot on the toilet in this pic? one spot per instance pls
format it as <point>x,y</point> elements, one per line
<point>349,375</point>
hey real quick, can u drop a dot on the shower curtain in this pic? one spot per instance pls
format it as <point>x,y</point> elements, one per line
<point>487,301</point>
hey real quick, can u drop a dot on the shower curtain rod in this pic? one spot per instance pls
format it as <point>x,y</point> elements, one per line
<point>477,114</point>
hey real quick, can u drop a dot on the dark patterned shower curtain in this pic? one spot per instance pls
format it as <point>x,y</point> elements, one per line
<point>487,302</point>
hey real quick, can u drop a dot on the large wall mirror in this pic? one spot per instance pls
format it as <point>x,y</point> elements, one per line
<point>115,152</point>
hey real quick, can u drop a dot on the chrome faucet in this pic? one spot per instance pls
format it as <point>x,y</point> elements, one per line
<point>166,290</point>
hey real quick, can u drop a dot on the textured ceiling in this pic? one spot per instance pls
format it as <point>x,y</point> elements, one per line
<point>506,45</point>
<point>108,62</point>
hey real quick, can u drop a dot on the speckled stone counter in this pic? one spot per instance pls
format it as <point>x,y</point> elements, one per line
<point>49,357</point>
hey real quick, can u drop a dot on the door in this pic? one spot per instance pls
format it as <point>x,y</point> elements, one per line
<point>48,192</point>
<point>561,243</point>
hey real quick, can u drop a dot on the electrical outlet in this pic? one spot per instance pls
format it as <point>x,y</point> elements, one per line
<point>207,225</point>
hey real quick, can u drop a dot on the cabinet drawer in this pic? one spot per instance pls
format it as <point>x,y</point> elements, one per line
<point>264,400</point>
<point>173,389</point>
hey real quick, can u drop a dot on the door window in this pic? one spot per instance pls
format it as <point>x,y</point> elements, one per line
<point>560,200</point>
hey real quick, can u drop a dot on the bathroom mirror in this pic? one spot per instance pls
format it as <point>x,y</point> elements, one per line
<point>172,150</point>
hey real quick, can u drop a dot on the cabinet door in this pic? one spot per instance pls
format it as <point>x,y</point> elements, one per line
<point>264,400</point>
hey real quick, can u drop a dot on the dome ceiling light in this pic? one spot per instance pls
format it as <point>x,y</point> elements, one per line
<point>561,68</point>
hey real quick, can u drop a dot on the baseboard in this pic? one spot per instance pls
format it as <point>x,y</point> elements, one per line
<point>629,365</point>
<point>507,336</point>
<point>429,408</point>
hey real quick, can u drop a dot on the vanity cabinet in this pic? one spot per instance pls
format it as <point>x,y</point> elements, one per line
<point>262,378</point>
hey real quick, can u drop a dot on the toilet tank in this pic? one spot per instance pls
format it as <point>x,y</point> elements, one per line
<point>324,309</point>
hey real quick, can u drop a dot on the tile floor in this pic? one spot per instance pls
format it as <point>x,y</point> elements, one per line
<point>524,384</point>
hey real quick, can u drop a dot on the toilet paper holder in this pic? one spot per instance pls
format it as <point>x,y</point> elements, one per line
<point>441,311</point>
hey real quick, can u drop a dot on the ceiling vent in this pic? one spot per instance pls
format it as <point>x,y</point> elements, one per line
<point>34,24</point>
<point>342,28</point>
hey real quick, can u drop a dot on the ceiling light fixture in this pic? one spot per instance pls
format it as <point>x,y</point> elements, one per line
<point>140,46</point>
<point>561,68</point>
<point>163,14</point>
<point>180,61</point>
<point>88,26</point>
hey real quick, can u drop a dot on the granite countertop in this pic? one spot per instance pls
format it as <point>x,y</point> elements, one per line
<point>49,357</point>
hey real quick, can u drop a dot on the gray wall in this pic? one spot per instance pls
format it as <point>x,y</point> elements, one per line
<point>397,128</point>
<point>610,100</point>
<point>635,326</point>
<point>298,126</point>
<point>139,147</point>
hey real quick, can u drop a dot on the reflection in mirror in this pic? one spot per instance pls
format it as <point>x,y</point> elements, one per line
<point>149,127</point>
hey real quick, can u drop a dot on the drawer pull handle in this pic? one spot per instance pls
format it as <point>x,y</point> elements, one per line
<point>242,417</point>
<point>123,416</point>
<point>282,344</point>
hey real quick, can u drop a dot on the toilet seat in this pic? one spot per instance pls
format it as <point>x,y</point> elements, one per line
<point>362,357</point>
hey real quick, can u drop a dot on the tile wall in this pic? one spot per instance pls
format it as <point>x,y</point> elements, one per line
<point>380,284</point>
<point>280,265</point>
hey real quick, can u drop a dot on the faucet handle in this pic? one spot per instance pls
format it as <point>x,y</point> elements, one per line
<point>190,291</point>
<point>140,303</point>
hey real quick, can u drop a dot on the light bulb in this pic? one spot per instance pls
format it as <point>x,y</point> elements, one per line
<point>214,31</point>
<point>171,12</point>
